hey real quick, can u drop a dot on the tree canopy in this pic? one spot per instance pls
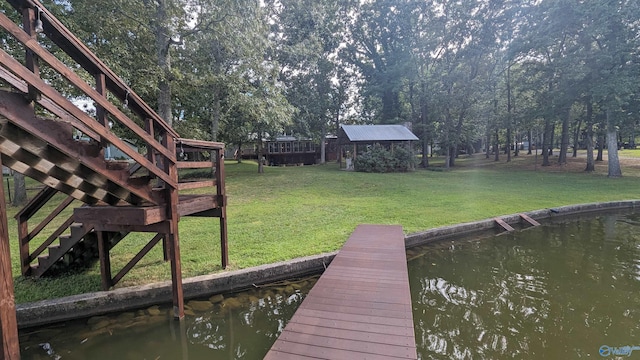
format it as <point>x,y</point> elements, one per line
<point>469,76</point>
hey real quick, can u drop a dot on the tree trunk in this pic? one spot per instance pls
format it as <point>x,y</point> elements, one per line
<point>496,147</point>
<point>447,156</point>
<point>509,122</point>
<point>576,138</point>
<point>19,190</point>
<point>546,142</point>
<point>530,139</point>
<point>509,143</point>
<point>260,162</point>
<point>487,146</point>
<point>215,114</point>
<point>238,153</point>
<point>323,145</point>
<point>564,139</point>
<point>601,141</point>
<point>591,166</point>
<point>163,42</point>
<point>612,147</point>
<point>424,108</point>
<point>456,140</point>
<point>390,106</point>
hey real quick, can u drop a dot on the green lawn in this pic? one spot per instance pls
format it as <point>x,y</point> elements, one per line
<point>289,212</point>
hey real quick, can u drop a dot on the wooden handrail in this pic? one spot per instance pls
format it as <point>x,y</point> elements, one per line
<point>61,101</point>
<point>63,205</point>
<point>46,103</point>
<point>78,51</point>
<point>59,231</point>
<point>36,203</point>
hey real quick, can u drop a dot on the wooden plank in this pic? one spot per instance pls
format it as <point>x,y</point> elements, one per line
<point>201,144</point>
<point>194,164</point>
<point>120,215</point>
<point>351,335</point>
<point>222,203</point>
<point>528,219</point>
<point>196,184</point>
<point>8,324</point>
<point>362,347</point>
<point>360,308</point>
<point>329,353</point>
<point>352,326</point>
<point>48,104</point>
<point>503,224</point>
<point>193,204</point>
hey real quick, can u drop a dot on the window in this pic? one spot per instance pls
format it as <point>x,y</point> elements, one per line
<point>296,147</point>
<point>287,147</point>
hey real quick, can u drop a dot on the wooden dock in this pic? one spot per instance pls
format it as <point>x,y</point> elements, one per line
<point>360,308</point>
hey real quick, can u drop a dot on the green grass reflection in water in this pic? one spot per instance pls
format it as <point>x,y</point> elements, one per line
<point>559,291</point>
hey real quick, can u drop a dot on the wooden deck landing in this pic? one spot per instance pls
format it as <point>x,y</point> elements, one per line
<point>361,306</point>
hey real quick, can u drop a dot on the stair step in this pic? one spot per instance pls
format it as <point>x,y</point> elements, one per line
<point>53,248</point>
<point>64,239</point>
<point>77,230</point>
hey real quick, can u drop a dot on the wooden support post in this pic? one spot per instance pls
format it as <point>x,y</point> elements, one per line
<point>166,253</point>
<point>174,239</point>
<point>8,324</point>
<point>222,203</point>
<point>105,261</point>
<point>149,128</point>
<point>101,88</point>
<point>23,241</point>
<point>31,62</point>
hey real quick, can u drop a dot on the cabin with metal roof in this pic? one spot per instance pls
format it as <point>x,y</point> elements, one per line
<point>356,139</point>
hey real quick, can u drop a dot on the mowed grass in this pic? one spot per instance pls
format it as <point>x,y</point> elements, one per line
<point>290,212</point>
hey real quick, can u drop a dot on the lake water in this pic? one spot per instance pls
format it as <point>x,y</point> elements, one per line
<point>552,292</point>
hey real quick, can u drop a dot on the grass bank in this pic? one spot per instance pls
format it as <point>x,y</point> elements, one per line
<point>289,212</point>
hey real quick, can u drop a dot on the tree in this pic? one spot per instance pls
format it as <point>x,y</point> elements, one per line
<point>379,46</point>
<point>19,190</point>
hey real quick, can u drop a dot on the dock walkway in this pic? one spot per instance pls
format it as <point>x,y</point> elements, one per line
<point>360,308</point>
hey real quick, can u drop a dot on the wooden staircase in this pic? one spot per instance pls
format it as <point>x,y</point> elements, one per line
<point>46,137</point>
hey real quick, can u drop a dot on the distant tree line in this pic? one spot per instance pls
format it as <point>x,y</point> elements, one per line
<point>464,73</point>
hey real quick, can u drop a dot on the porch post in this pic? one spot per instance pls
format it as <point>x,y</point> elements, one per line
<point>8,324</point>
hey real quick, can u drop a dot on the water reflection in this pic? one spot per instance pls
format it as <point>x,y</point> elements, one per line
<point>240,327</point>
<point>558,291</point>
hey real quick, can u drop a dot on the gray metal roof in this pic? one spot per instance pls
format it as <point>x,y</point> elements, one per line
<point>378,133</point>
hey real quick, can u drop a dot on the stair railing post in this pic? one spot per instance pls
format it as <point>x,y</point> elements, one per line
<point>23,241</point>
<point>105,261</point>
<point>171,203</point>
<point>29,18</point>
<point>222,203</point>
<point>101,113</point>
<point>8,323</point>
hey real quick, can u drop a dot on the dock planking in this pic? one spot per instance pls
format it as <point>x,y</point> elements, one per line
<point>360,308</point>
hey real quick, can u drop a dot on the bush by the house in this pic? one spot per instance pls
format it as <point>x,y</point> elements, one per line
<point>380,160</point>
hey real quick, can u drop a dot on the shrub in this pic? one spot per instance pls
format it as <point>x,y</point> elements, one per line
<point>380,160</point>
